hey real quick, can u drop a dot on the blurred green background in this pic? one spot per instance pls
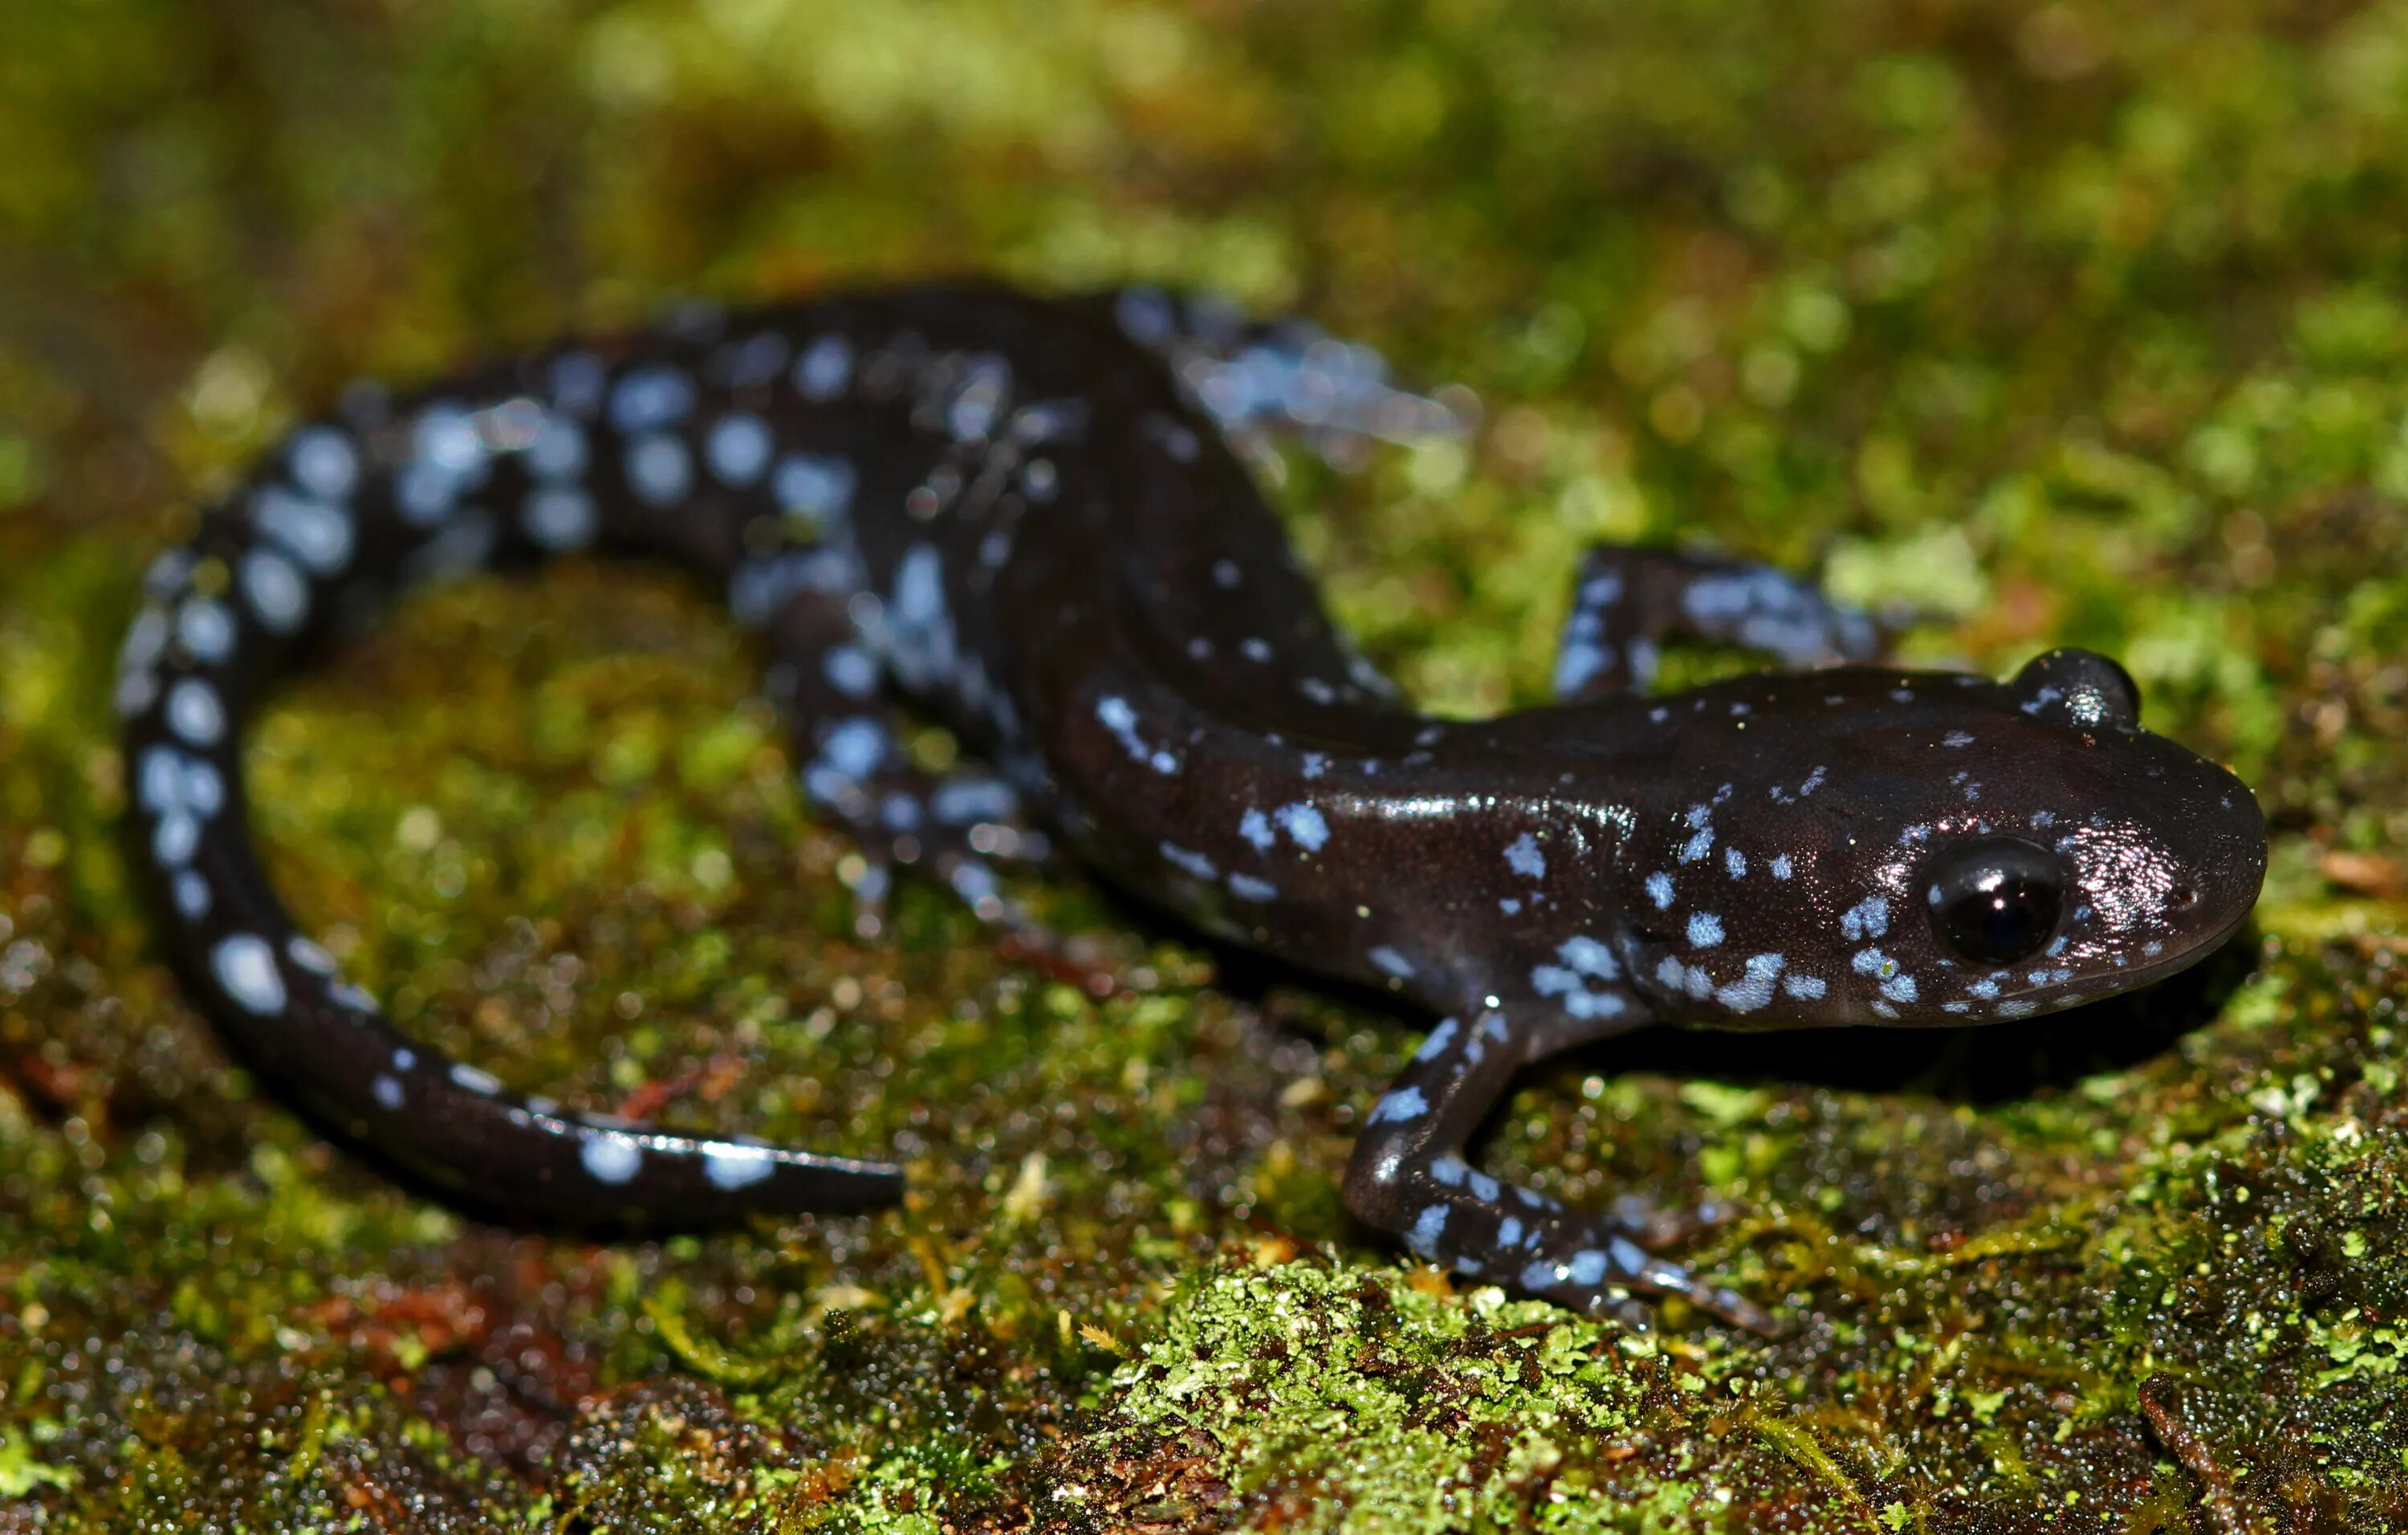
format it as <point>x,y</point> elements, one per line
<point>2071,323</point>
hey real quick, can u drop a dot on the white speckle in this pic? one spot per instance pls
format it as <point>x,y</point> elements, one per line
<point>1226,575</point>
<point>815,487</point>
<point>1255,827</point>
<point>658,469</point>
<point>1705,930</point>
<point>1038,478</point>
<point>1114,713</point>
<point>650,397</point>
<point>1754,989</point>
<point>194,714</point>
<point>275,590</point>
<point>1193,862</point>
<point>388,1092</point>
<point>558,452</point>
<point>1399,1107</point>
<point>423,493</point>
<point>1735,862</point>
<point>851,671</point>
<point>309,955</point>
<point>191,896</point>
<point>245,965</point>
<point>559,517</point>
<point>735,1167</point>
<point>610,1158</point>
<point>1440,1040</point>
<point>1246,887</point>
<point>1304,824</point>
<point>1255,650</point>
<point>177,838</point>
<point>445,442</point>
<point>1814,781</point>
<point>1391,963</point>
<point>824,369</point>
<point>475,1081</point>
<point>1956,738</point>
<point>206,630</point>
<point>1428,1228</point>
<point>1589,957</point>
<point>317,534</point>
<point>738,449</point>
<point>1868,918</point>
<point>855,747</point>
<point>324,462</point>
<point>1523,856</point>
<point>1659,889</point>
<point>1779,867</point>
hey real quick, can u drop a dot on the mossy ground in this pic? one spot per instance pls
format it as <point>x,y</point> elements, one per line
<point>2074,323</point>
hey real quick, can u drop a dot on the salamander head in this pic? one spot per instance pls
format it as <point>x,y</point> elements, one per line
<point>1875,846</point>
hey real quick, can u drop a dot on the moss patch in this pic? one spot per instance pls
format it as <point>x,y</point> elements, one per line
<point>2030,324</point>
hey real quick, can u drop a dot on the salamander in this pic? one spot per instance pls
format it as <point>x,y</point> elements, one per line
<point>1032,519</point>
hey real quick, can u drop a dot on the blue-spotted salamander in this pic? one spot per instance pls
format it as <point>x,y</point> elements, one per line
<point>1029,518</point>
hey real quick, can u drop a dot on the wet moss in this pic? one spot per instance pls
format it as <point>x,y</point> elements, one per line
<point>2029,326</point>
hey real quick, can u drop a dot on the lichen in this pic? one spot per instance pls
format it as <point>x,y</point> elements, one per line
<point>2026,324</point>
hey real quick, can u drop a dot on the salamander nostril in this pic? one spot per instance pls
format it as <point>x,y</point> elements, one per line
<point>2183,897</point>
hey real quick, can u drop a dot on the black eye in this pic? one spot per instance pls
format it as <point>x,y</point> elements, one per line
<point>1994,901</point>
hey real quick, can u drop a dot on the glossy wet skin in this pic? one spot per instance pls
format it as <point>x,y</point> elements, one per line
<point>1791,877</point>
<point>1029,519</point>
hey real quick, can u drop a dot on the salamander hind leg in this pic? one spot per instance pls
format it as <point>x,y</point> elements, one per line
<point>1409,1176</point>
<point>1628,602</point>
<point>849,737</point>
<point>1285,376</point>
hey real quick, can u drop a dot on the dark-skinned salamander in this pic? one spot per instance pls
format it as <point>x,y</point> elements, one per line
<point>1029,518</point>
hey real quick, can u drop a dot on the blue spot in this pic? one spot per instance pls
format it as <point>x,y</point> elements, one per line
<point>1194,862</point>
<point>1400,1107</point>
<point>1391,962</point>
<point>1659,890</point>
<point>855,747</point>
<point>1523,856</point>
<point>1735,862</point>
<point>1255,827</point>
<point>1304,824</point>
<point>1448,1172</point>
<point>1426,1229</point>
<point>1588,956</point>
<point>1705,930</point>
<point>1246,887</point>
<point>1868,918</point>
<point>1440,1040</point>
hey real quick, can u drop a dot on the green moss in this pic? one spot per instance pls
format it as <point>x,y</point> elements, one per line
<point>2031,326</point>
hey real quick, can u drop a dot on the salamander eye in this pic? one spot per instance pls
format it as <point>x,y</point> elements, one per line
<point>1996,900</point>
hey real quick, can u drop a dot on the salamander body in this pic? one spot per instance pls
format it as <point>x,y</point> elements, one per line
<point>1027,518</point>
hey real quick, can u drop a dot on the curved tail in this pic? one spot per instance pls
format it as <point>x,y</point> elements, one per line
<point>566,451</point>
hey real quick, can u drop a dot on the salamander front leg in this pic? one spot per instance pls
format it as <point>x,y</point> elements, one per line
<point>1628,602</point>
<point>1409,1176</point>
